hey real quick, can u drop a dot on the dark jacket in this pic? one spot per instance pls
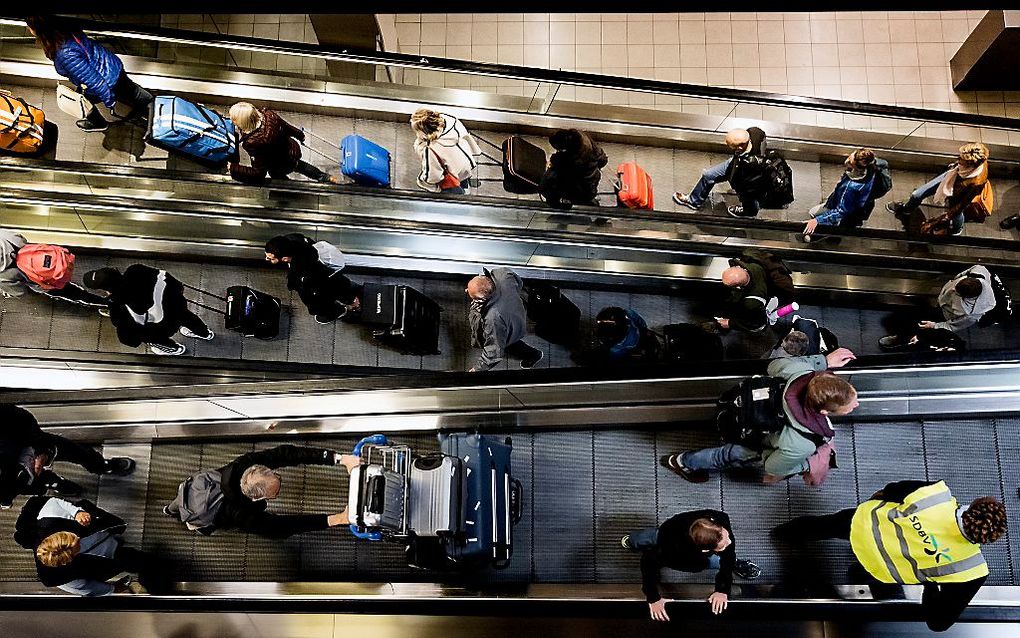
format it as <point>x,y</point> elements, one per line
<point>136,293</point>
<point>499,321</point>
<point>85,62</point>
<point>19,430</point>
<point>573,179</point>
<point>744,314</point>
<point>851,198</point>
<point>942,603</point>
<point>272,148</point>
<point>675,549</point>
<point>240,512</point>
<point>739,168</point>
<point>30,531</point>
<point>320,288</point>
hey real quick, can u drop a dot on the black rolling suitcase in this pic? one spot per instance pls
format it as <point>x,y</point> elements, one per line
<point>248,311</point>
<point>494,500</point>
<point>402,316</point>
<point>690,342</point>
<point>557,319</point>
<point>523,164</point>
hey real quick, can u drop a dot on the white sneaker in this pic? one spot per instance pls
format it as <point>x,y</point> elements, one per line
<point>104,312</point>
<point>168,352</point>
<point>188,333</point>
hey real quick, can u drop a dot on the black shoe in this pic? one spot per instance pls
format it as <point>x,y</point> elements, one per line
<point>890,342</point>
<point>737,211</point>
<point>746,569</point>
<point>1010,222</point>
<point>673,464</point>
<point>91,127</point>
<point>64,487</point>
<point>323,319</point>
<point>120,466</point>
<point>166,512</point>
<point>527,365</point>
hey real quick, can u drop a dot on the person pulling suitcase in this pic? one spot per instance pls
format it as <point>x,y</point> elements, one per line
<point>148,306</point>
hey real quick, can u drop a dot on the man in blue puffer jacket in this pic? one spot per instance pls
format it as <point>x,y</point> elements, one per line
<point>853,199</point>
<point>94,69</point>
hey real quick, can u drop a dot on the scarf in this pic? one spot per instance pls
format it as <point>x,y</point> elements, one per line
<point>796,395</point>
<point>945,188</point>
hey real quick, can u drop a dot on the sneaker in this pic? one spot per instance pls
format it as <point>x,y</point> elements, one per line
<point>746,569</point>
<point>957,233</point>
<point>165,351</point>
<point>206,337</point>
<point>890,342</point>
<point>684,200</point>
<point>527,365</point>
<point>900,209</point>
<point>120,466</point>
<point>166,512</point>
<point>737,211</point>
<point>324,319</point>
<point>625,542</point>
<point>673,464</point>
<point>105,312</point>
<point>64,487</point>
<point>90,127</point>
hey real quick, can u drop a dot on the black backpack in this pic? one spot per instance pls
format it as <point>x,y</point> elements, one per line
<point>768,178</point>
<point>752,410</point>
<point>779,278</point>
<point>1003,309</point>
<point>882,182</point>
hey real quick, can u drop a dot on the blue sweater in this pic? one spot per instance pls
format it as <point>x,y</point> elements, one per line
<point>850,195</point>
<point>84,62</point>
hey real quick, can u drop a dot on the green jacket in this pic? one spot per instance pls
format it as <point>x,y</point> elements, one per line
<point>786,452</point>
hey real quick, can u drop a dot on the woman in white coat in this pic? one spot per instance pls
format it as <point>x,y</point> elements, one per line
<point>446,149</point>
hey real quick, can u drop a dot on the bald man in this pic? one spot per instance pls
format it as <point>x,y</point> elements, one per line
<point>741,142</point>
<point>498,319</point>
<point>747,279</point>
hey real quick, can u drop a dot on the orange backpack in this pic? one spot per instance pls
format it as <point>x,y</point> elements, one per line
<point>980,208</point>
<point>49,266</point>
<point>21,124</point>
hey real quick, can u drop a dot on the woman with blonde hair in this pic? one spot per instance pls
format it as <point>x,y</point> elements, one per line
<point>272,144</point>
<point>446,149</point>
<point>956,188</point>
<point>78,548</point>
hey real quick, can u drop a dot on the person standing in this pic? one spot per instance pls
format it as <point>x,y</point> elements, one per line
<point>744,144</point>
<point>272,144</point>
<point>313,270</point>
<point>148,306</point>
<point>27,454</point>
<point>689,542</point>
<point>915,533</point>
<point>574,170</point>
<point>498,319</point>
<point>95,70</point>
<point>446,149</point>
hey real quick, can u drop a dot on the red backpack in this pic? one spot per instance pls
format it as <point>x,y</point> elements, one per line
<point>49,266</point>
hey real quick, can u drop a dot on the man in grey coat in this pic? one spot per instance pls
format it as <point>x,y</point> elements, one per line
<point>499,321</point>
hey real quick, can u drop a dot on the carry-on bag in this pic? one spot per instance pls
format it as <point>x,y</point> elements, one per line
<point>523,164</point>
<point>402,317</point>
<point>751,410</point>
<point>364,161</point>
<point>191,130</point>
<point>557,319</point>
<point>493,499</point>
<point>690,342</point>
<point>248,311</point>
<point>21,125</point>
<point>635,187</point>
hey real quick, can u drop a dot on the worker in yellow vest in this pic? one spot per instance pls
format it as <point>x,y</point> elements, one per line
<point>914,532</point>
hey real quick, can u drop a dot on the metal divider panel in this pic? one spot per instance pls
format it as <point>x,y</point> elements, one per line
<point>965,455</point>
<point>563,506</point>
<point>887,452</point>
<point>1007,430</point>
<point>624,500</point>
<point>169,464</point>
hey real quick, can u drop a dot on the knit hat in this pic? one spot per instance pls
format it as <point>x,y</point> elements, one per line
<point>107,279</point>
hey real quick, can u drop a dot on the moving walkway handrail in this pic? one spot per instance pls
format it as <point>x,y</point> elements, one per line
<point>365,56</point>
<point>618,212</point>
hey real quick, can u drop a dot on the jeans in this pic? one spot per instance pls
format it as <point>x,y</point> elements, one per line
<point>75,294</point>
<point>724,456</point>
<point>126,91</point>
<point>709,178</point>
<point>521,350</point>
<point>924,191</point>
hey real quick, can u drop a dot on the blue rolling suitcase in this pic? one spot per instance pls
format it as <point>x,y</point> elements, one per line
<point>364,161</point>
<point>192,130</point>
<point>493,500</point>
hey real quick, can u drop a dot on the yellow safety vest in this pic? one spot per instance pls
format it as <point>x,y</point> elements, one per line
<point>916,541</point>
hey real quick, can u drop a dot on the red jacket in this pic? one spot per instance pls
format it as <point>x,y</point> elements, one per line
<point>272,148</point>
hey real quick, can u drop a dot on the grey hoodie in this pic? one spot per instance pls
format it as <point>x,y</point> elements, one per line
<point>500,320</point>
<point>962,313</point>
<point>12,282</point>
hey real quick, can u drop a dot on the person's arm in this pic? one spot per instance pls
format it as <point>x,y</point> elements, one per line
<point>955,320</point>
<point>291,130</point>
<point>87,587</point>
<point>59,508</point>
<point>943,604</point>
<point>431,170</point>
<point>76,62</point>
<point>290,455</point>
<point>727,559</point>
<point>896,491</point>
<point>494,332</point>
<point>650,567</point>
<point>254,174</point>
<point>796,366</point>
<point>784,462</point>
<point>281,526</point>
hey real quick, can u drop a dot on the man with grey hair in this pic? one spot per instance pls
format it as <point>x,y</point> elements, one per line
<point>742,142</point>
<point>498,319</point>
<point>247,483</point>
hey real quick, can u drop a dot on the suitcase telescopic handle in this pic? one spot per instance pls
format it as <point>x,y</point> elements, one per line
<point>208,294</point>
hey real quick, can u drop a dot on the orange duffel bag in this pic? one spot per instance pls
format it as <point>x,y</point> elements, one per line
<point>981,207</point>
<point>21,125</point>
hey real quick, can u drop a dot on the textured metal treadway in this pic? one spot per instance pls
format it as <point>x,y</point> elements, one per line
<point>583,490</point>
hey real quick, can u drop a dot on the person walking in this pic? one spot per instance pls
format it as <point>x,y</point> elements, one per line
<point>852,200</point>
<point>498,319</point>
<point>744,144</point>
<point>574,170</point>
<point>447,152</point>
<point>313,270</point>
<point>272,144</point>
<point>49,272</point>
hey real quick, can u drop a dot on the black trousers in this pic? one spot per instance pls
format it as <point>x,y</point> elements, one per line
<point>76,294</point>
<point>183,318</point>
<point>126,91</point>
<point>521,350</point>
<point>153,573</point>
<point>815,528</point>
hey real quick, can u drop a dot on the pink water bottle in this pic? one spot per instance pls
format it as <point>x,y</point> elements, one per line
<point>785,310</point>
